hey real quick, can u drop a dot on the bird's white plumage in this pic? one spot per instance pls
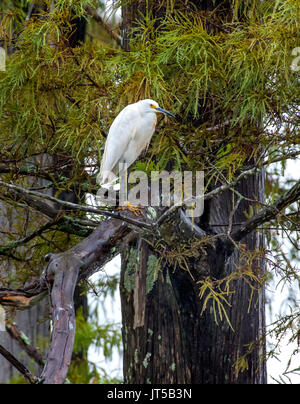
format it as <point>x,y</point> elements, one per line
<point>129,134</point>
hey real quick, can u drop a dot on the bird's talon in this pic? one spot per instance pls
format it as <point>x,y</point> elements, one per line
<point>136,210</point>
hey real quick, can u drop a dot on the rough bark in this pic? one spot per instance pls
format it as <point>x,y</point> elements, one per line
<point>167,338</point>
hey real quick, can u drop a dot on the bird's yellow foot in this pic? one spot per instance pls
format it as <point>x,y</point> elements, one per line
<point>137,210</point>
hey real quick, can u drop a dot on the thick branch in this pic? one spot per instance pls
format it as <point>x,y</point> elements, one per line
<point>23,298</point>
<point>65,273</point>
<point>95,249</point>
<point>61,276</point>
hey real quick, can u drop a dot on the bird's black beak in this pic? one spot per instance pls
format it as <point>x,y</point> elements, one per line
<point>165,112</point>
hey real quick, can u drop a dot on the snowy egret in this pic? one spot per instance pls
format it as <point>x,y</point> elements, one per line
<point>129,134</point>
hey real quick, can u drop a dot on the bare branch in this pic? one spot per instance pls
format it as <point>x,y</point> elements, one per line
<point>231,184</point>
<point>22,340</point>
<point>268,213</point>
<point>18,365</point>
<point>231,215</point>
<point>209,195</point>
<point>25,240</point>
<point>73,206</point>
<point>66,224</point>
<point>60,278</point>
<point>23,298</point>
<point>31,172</point>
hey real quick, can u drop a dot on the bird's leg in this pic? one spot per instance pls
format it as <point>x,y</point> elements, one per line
<point>127,179</point>
<point>137,210</point>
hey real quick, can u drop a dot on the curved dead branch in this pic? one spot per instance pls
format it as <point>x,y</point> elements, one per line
<point>60,278</point>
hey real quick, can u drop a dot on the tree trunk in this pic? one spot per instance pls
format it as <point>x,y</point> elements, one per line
<point>167,338</point>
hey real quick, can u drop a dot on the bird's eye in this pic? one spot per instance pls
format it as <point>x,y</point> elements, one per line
<point>152,106</point>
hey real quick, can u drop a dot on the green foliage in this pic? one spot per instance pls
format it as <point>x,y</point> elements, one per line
<point>103,337</point>
<point>56,98</point>
<point>18,380</point>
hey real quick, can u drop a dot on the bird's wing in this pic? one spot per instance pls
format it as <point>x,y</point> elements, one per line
<point>120,133</point>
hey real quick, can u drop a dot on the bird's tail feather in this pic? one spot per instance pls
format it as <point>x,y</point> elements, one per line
<point>106,179</point>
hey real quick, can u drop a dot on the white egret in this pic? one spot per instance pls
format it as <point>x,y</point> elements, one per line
<point>129,134</point>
